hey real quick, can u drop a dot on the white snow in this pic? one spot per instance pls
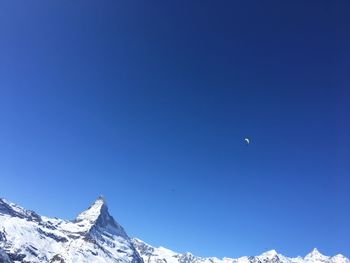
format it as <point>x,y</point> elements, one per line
<point>94,236</point>
<point>74,241</point>
<point>160,254</point>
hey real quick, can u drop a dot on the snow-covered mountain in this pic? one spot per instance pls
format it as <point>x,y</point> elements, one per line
<point>152,254</point>
<point>94,236</point>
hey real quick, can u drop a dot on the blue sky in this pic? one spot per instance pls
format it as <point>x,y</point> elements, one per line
<point>148,103</point>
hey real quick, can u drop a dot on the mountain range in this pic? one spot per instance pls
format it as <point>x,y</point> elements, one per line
<point>95,236</point>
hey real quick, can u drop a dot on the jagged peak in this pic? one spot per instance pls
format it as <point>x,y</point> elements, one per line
<point>12,209</point>
<point>4,202</point>
<point>315,253</point>
<point>98,217</point>
<point>270,253</point>
<point>94,211</point>
<point>51,240</point>
<point>269,256</point>
<point>101,197</point>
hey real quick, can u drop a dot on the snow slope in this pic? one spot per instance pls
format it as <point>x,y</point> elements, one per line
<point>94,236</point>
<point>152,254</point>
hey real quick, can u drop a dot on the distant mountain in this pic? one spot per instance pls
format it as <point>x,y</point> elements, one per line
<point>152,254</point>
<point>94,236</point>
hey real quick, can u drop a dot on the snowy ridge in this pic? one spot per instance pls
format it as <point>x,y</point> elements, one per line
<point>95,237</point>
<point>152,254</point>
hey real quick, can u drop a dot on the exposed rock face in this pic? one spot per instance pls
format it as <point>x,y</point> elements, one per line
<point>4,258</point>
<point>94,236</point>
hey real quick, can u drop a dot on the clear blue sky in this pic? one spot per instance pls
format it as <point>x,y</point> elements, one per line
<point>148,102</point>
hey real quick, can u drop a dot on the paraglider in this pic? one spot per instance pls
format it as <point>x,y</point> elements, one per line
<point>247,141</point>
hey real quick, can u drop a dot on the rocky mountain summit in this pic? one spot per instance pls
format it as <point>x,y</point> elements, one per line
<point>94,236</point>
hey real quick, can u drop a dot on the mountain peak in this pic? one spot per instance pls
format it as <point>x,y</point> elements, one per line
<point>315,252</point>
<point>101,198</point>
<point>94,211</point>
<point>93,237</point>
<point>316,255</point>
<point>98,217</point>
<point>270,254</point>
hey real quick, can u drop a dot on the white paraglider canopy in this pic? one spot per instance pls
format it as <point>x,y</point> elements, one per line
<point>247,140</point>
